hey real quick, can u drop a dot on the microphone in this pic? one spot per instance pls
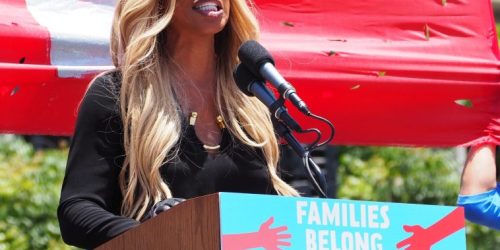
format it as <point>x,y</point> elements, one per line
<point>258,60</point>
<point>249,84</point>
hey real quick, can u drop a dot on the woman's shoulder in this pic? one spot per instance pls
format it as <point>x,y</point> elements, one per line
<point>103,94</point>
<point>108,83</point>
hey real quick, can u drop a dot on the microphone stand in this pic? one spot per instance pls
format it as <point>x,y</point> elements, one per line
<point>314,174</point>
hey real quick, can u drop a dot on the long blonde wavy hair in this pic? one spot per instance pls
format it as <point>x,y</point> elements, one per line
<point>150,111</point>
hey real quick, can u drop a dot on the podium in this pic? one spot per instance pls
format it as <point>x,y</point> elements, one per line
<point>233,221</point>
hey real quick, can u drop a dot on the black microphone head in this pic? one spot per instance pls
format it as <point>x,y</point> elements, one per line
<point>244,78</point>
<point>253,56</point>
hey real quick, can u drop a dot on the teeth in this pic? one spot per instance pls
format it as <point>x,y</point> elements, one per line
<point>207,7</point>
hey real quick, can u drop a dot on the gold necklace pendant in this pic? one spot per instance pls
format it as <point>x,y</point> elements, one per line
<point>211,149</point>
<point>192,118</point>
<point>220,122</point>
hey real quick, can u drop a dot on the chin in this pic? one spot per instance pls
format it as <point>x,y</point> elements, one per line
<point>211,30</point>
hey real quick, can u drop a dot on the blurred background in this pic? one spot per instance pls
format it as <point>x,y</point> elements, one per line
<point>32,168</point>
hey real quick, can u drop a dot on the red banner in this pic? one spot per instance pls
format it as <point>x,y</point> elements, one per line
<point>385,72</point>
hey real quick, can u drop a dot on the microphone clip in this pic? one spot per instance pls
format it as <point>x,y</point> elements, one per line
<point>280,112</point>
<point>275,107</point>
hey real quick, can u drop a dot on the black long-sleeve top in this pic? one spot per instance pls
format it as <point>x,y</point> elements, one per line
<point>89,209</point>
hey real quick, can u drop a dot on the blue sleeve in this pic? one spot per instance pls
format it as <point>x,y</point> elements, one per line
<point>483,208</point>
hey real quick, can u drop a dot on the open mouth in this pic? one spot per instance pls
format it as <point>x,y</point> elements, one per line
<point>207,7</point>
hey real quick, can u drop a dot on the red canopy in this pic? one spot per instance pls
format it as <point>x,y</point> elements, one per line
<point>385,72</point>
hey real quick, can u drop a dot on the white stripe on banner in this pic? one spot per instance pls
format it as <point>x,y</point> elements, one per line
<point>79,33</point>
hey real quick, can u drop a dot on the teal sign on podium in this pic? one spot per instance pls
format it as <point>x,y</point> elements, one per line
<point>274,222</point>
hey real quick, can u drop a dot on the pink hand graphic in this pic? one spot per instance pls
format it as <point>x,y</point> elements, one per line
<point>418,241</point>
<point>424,238</point>
<point>271,238</point>
<point>267,237</point>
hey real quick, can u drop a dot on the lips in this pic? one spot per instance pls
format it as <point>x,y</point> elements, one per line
<point>208,8</point>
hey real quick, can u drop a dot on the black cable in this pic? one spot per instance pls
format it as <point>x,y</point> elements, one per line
<point>315,131</point>
<point>320,187</point>
<point>286,134</point>
<point>316,178</point>
<point>314,174</point>
<point>332,129</point>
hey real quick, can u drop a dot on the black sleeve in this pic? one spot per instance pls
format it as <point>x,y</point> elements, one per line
<point>90,202</point>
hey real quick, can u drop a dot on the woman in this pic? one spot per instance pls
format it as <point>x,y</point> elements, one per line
<point>169,122</point>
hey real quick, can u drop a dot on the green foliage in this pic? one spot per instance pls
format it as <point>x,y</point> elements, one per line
<point>482,238</point>
<point>399,175</point>
<point>498,31</point>
<point>30,184</point>
<point>407,175</point>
